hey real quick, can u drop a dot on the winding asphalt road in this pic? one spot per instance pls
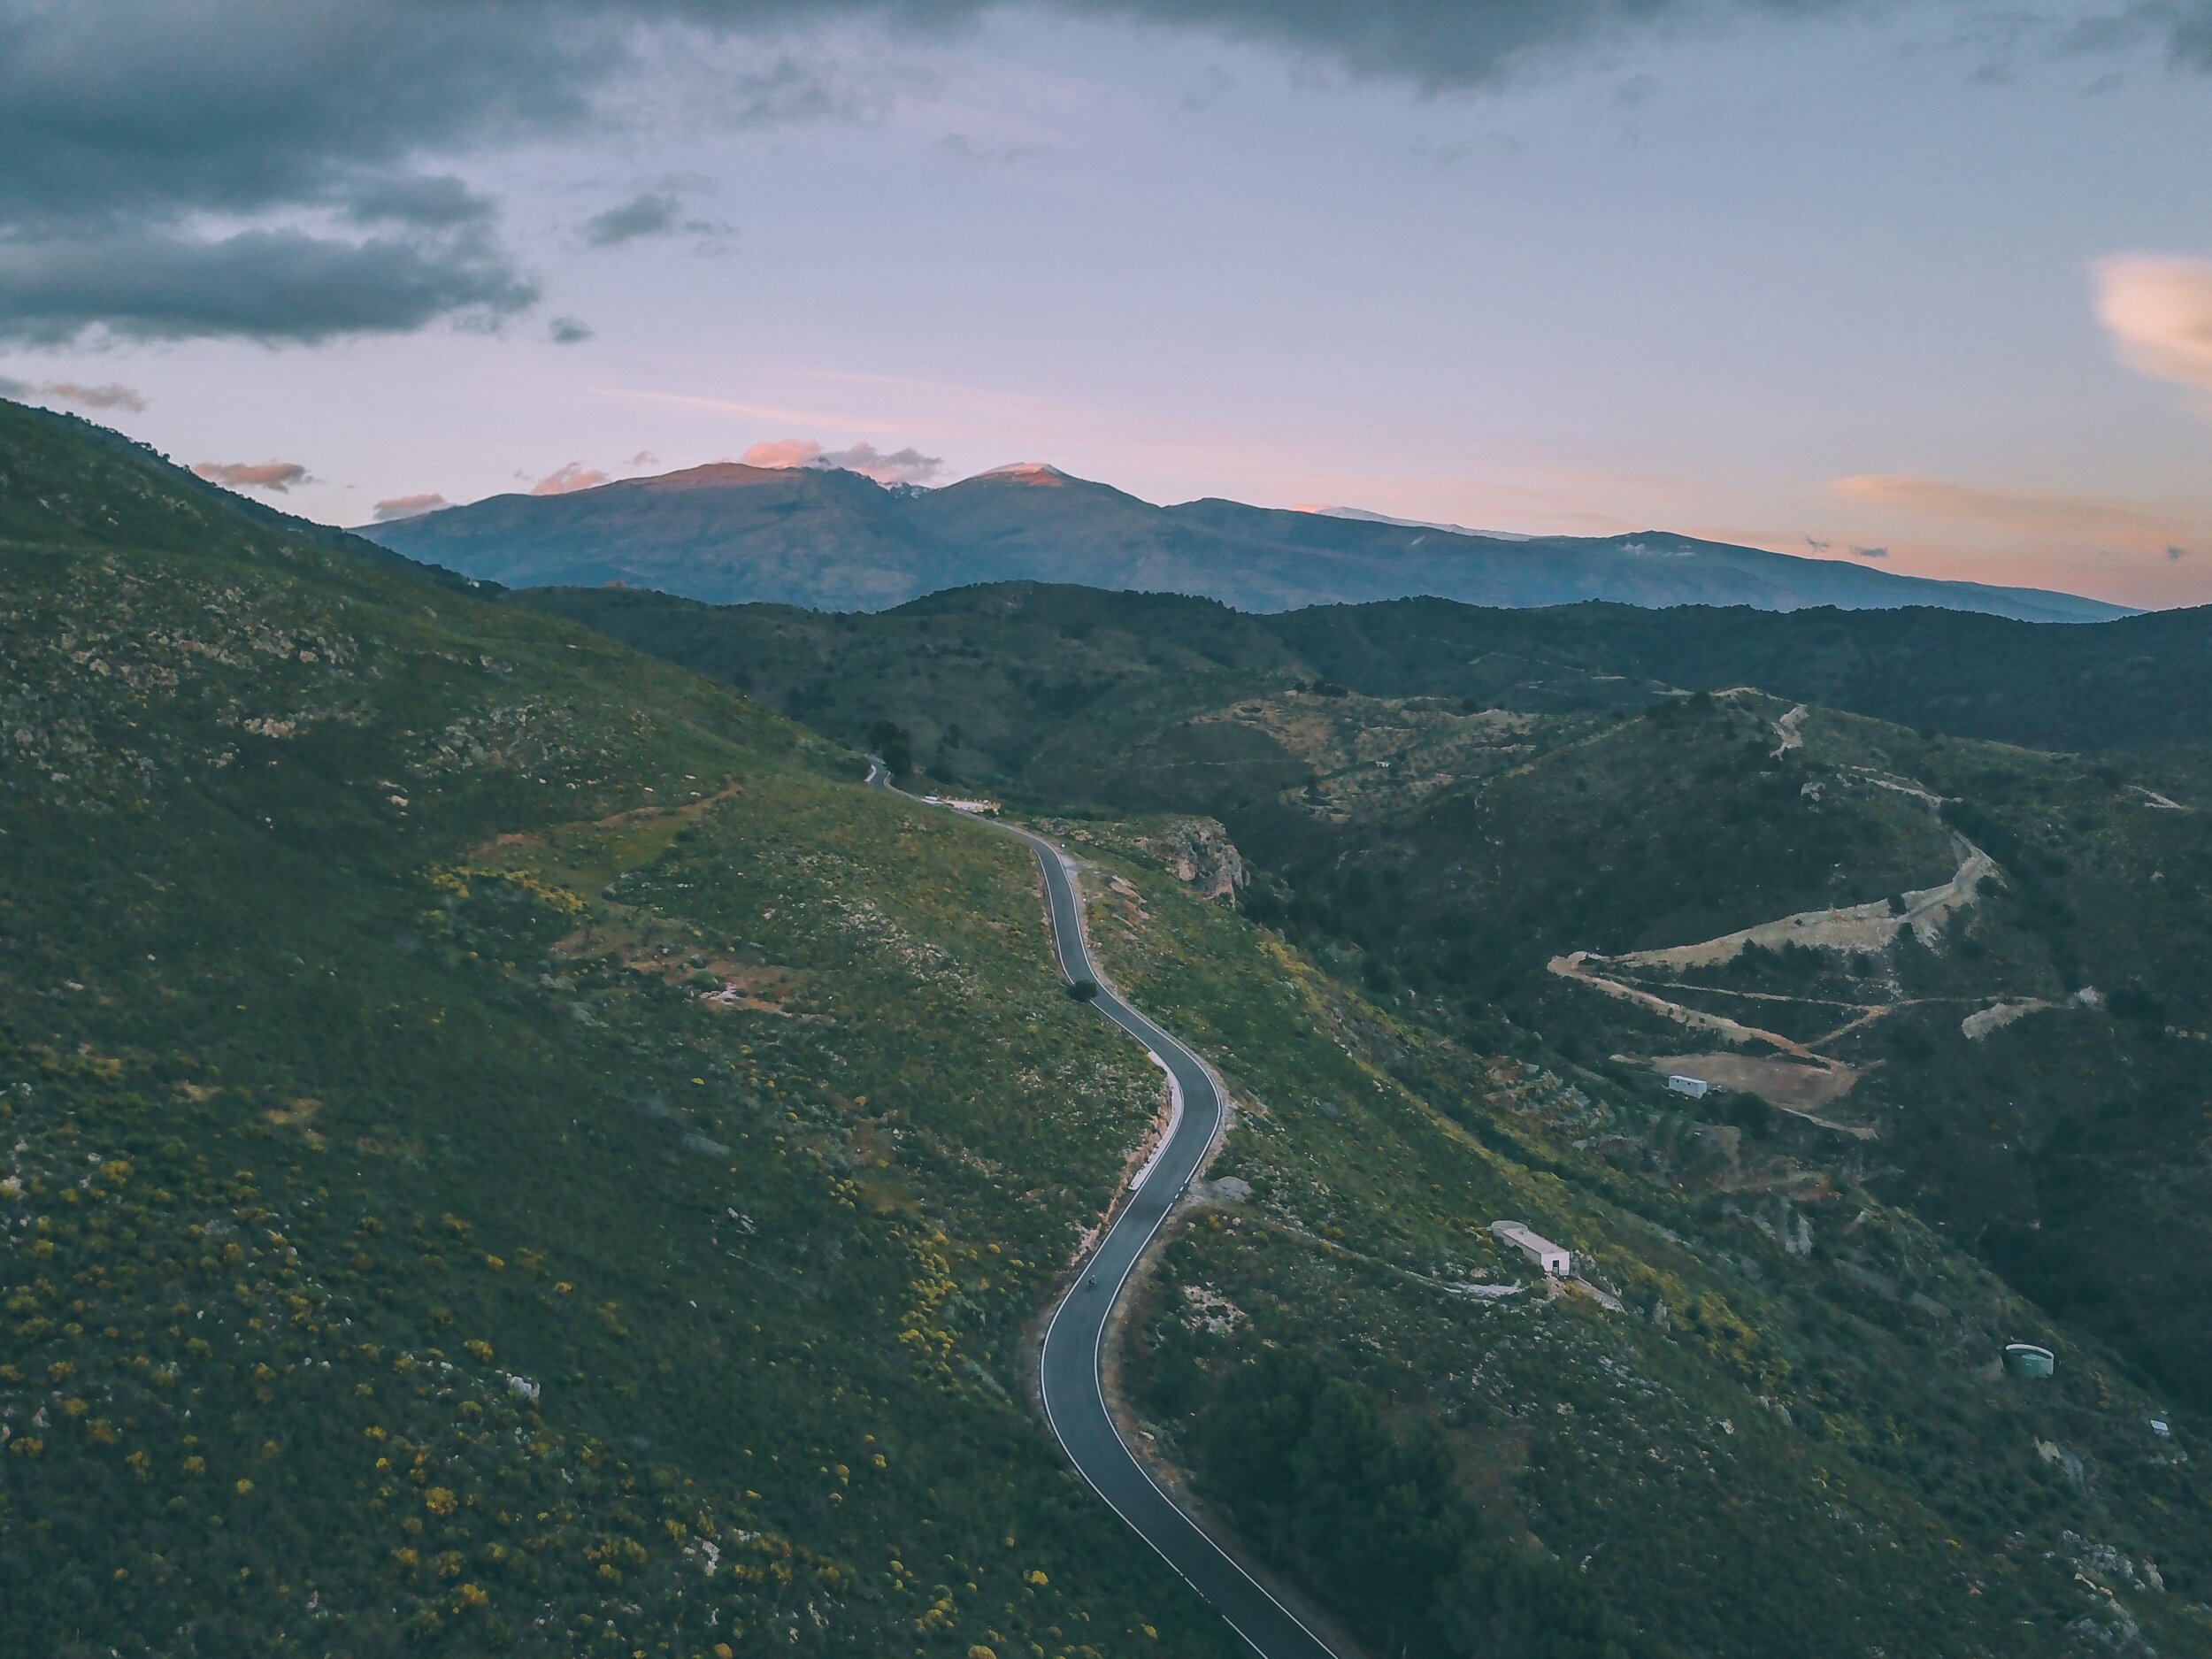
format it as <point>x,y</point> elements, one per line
<point>1069,1376</point>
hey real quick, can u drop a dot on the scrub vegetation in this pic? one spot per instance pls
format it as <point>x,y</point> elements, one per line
<point>1436,801</point>
<point>508,1147</point>
<point>1763,1399</point>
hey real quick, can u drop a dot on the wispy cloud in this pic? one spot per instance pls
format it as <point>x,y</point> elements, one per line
<point>569,331</point>
<point>2084,518</point>
<point>409,506</point>
<point>649,214</point>
<point>113,394</point>
<point>2159,311</point>
<point>908,465</point>
<point>277,477</point>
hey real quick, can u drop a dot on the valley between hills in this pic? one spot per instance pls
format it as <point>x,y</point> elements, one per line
<point>511,1146</point>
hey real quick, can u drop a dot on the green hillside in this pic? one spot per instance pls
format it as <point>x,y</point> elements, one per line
<point>512,1149</point>
<point>2029,1064</point>
<point>408,995</point>
<point>1040,660</point>
<point>1442,799</point>
<point>1795,1403</point>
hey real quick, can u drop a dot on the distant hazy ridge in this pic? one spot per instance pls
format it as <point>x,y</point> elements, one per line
<point>836,541</point>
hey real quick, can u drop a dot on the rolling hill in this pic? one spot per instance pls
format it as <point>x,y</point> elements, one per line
<point>833,540</point>
<point>1037,688</point>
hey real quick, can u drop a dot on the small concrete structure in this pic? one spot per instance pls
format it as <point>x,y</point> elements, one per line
<point>1695,1088</point>
<point>2026,1359</point>
<point>1558,1263</point>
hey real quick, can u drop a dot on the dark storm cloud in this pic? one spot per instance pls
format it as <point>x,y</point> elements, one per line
<point>122,120</point>
<point>1442,45</point>
<point>270,284</point>
<point>2183,28</point>
<point>433,204</point>
<point>134,106</point>
<point>157,105</point>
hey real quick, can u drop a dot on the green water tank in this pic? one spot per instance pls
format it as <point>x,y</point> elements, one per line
<point>2025,1359</point>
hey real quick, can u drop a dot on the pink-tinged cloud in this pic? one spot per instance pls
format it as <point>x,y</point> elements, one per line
<point>783,452</point>
<point>409,506</point>
<point>572,475</point>
<point>276,477</point>
<point>2022,512</point>
<point>110,395</point>
<point>2160,312</point>
<point>909,466</point>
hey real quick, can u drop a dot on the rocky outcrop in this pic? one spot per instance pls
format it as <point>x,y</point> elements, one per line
<point>1198,851</point>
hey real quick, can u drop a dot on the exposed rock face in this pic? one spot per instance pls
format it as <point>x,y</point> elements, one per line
<point>1199,851</point>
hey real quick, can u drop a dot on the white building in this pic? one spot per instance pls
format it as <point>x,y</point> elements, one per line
<point>1694,1086</point>
<point>1542,1251</point>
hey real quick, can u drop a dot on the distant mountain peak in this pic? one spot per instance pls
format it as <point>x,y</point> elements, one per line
<point>730,533</point>
<point>1038,472</point>
<point>713,475</point>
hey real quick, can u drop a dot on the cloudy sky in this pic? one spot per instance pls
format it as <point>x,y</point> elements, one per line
<point>1927,281</point>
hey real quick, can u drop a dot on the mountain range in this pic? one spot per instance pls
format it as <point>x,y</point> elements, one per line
<point>832,540</point>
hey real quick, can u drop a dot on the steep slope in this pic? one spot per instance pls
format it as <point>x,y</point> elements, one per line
<point>833,540</point>
<point>1987,965</point>
<point>1765,1392</point>
<point>507,1149</point>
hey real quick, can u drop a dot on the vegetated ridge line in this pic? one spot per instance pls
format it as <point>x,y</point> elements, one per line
<point>1070,1378</point>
